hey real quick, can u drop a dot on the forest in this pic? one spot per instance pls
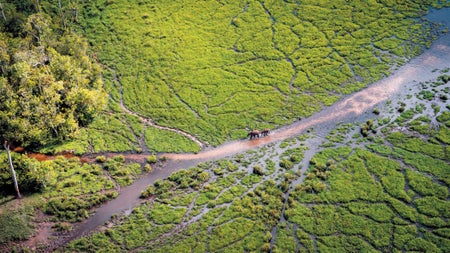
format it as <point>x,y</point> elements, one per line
<point>94,94</point>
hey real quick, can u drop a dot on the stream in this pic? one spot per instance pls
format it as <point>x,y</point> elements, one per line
<point>355,107</point>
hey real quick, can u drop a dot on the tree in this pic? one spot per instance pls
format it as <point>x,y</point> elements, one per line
<point>49,87</point>
<point>7,147</point>
<point>3,11</point>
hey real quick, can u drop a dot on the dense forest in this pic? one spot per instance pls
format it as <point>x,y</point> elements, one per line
<point>49,86</point>
<point>94,94</point>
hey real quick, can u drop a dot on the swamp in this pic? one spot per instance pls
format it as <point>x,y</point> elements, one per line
<point>352,98</point>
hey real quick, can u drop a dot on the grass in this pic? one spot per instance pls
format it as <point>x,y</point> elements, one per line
<point>208,74</point>
<point>116,133</point>
<point>64,189</point>
<point>237,200</point>
<point>15,225</point>
<point>74,188</point>
<point>165,141</point>
<point>389,194</point>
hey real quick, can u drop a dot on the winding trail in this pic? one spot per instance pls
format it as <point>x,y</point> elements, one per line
<point>149,121</point>
<point>355,107</point>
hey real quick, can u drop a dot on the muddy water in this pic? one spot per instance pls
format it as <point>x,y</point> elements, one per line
<point>355,107</point>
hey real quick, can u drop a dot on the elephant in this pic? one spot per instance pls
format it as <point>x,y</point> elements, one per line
<point>265,132</point>
<point>253,134</point>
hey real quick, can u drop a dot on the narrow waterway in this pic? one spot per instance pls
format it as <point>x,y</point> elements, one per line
<point>355,107</point>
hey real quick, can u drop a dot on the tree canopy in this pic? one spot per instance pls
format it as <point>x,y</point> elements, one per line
<point>49,86</point>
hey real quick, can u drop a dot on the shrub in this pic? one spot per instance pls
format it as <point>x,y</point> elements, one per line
<point>366,128</point>
<point>119,158</point>
<point>150,191</point>
<point>67,208</point>
<point>218,171</point>
<point>295,158</point>
<point>148,168</point>
<point>284,186</point>
<point>100,159</point>
<point>257,169</point>
<point>152,159</point>
<point>444,78</point>
<point>287,164</point>
<point>203,176</point>
<point>62,226</point>
<point>265,247</point>
<point>32,177</point>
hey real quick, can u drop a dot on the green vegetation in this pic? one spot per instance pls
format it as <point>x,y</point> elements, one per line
<point>219,206</point>
<point>214,69</point>
<point>15,224</point>
<point>393,199</point>
<point>64,189</point>
<point>49,87</point>
<point>165,141</point>
<point>389,193</point>
<point>121,172</point>
<point>338,135</point>
<point>209,73</point>
<point>118,132</point>
<point>366,197</point>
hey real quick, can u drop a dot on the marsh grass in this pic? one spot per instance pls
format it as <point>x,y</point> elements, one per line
<point>16,224</point>
<point>237,66</point>
<point>65,189</point>
<point>390,193</point>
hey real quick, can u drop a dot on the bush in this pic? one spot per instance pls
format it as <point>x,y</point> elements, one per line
<point>295,158</point>
<point>148,168</point>
<point>203,176</point>
<point>444,78</point>
<point>367,127</point>
<point>257,169</point>
<point>62,226</point>
<point>287,164</point>
<point>100,159</point>
<point>67,208</point>
<point>265,247</point>
<point>152,159</point>
<point>31,176</point>
<point>119,158</point>
<point>150,191</point>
